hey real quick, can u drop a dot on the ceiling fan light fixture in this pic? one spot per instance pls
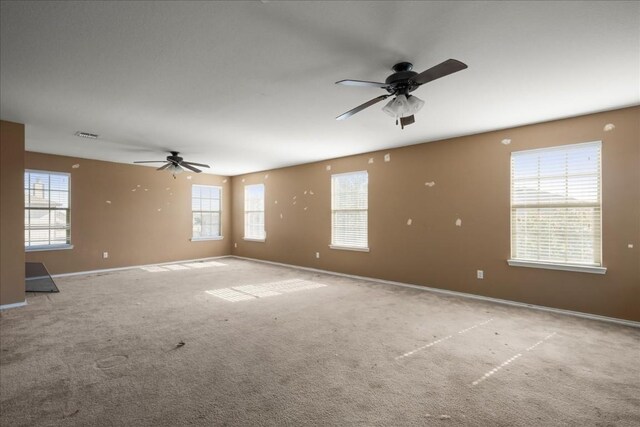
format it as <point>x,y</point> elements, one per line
<point>403,106</point>
<point>175,169</point>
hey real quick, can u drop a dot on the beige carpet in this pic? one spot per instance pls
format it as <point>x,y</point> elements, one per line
<point>106,351</point>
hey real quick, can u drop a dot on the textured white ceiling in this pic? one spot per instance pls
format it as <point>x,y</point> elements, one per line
<point>248,86</point>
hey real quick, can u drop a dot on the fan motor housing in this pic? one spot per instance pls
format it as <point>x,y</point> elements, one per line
<point>399,82</point>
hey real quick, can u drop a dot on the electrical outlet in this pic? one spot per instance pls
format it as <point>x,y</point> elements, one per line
<point>105,255</point>
<point>317,254</point>
<point>480,274</point>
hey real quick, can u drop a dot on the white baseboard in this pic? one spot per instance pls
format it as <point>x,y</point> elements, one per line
<point>458,294</point>
<point>106,270</point>
<point>14,305</point>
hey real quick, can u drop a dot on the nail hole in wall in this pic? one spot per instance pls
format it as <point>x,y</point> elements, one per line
<point>387,157</point>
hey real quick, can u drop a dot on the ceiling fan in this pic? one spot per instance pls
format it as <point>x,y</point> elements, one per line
<point>175,164</point>
<point>400,84</point>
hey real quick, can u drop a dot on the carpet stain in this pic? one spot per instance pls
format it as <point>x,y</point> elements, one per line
<point>111,361</point>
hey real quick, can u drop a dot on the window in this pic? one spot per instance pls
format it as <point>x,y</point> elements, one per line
<point>556,206</point>
<point>47,224</point>
<point>349,211</point>
<point>205,207</point>
<point>254,212</point>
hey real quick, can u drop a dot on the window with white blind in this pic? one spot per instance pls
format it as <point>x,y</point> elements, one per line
<point>47,222</point>
<point>349,211</point>
<point>254,212</point>
<point>556,208</point>
<point>205,212</point>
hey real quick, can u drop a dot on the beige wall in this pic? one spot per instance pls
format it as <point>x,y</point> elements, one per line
<point>11,213</point>
<point>471,176</point>
<point>149,225</point>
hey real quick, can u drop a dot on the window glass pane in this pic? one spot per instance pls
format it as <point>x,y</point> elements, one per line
<point>205,204</point>
<point>47,208</point>
<point>254,227</point>
<point>58,199</point>
<point>556,206</point>
<point>349,206</point>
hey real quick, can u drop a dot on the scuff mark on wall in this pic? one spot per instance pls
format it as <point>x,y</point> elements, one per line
<point>430,183</point>
<point>506,141</point>
<point>409,221</point>
<point>108,202</point>
<point>266,176</point>
<point>387,157</point>
<point>276,202</point>
<point>281,216</point>
<point>458,222</point>
<point>609,127</point>
<point>305,208</point>
<point>328,167</point>
<point>224,181</point>
<point>76,166</point>
<point>189,177</point>
<point>370,160</point>
<point>311,192</point>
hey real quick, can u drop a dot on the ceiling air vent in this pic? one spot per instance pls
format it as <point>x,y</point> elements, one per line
<point>86,135</point>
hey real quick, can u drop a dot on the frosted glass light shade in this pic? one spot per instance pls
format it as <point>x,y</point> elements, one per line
<point>403,106</point>
<point>175,169</point>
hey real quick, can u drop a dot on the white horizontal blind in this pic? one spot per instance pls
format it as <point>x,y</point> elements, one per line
<point>205,208</point>
<point>254,212</point>
<point>556,205</point>
<point>349,210</point>
<point>47,219</point>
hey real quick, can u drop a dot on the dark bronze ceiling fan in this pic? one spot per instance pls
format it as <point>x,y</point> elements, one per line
<point>400,84</point>
<point>175,164</point>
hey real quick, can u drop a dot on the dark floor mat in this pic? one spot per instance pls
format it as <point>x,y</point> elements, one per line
<point>38,279</point>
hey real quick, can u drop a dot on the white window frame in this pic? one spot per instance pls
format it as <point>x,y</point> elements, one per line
<point>27,207</point>
<point>597,266</point>
<point>340,245</point>
<point>261,236</point>
<point>213,236</point>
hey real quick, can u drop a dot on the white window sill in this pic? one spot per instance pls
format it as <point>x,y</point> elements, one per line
<point>554,266</point>
<point>349,248</point>
<point>48,248</point>
<point>201,239</point>
<point>253,239</point>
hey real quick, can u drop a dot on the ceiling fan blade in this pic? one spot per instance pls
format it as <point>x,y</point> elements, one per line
<point>196,170</point>
<point>195,164</point>
<point>151,161</point>
<point>361,107</point>
<point>445,68</point>
<point>361,83</point>
<point>161,168</point>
